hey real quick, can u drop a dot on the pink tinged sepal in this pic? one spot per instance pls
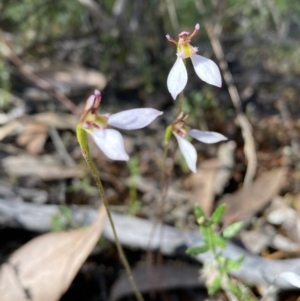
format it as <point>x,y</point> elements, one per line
<point>291,277</point>
<point>207,137</point>
<point>111,143</point>
<point>177,78</point>
<point>207,70</point>
<point>89,102</point>
<point>188,151</point>
<point>133,119</point>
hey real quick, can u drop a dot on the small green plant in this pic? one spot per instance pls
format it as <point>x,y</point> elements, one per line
<point>83,185</point>
<point>218,268</point>
<point>62,220</point>
<point>134,203</point>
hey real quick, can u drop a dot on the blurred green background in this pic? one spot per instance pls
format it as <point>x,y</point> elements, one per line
<point>126,41</point>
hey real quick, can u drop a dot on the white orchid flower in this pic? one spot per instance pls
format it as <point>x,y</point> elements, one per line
<point>291,277</point>
<point>110,141</point>
<point>205,68</point>
<point>181,131</point>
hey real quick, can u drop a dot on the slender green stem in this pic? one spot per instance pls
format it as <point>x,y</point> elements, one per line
<point>82,139</point>
<point>165,187</point>
<point>163,169</point>
<point>166,177</point>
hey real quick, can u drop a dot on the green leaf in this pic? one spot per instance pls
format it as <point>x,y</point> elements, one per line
<point>234,264</point>
<point>214,286</point>
<point>221,259</point>
<point>206,234</point>
<point>200,216</point>
<point>197,250</point>
<point>232,230</point>
<point>235,289</point>
<point>66,212</point>
<point>218,214</point>
<point>219,241</point>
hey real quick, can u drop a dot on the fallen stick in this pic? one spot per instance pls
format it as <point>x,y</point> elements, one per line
<point>135,233</point>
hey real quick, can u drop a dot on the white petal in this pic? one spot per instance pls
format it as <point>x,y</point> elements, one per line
<point>207,70</point>
<point>188,151</point>
<point>291,277</point>
<point>177,78</point>
<point>133,119</point>
<point>111,143</point>
<point>207,137</point>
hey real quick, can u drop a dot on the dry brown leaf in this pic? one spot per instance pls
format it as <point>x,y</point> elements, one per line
<point>202,185</point>
<point>226,165</point>
<point>10,128</point>
<point>44,167</point>
<point>70,78</point>
<point>59,121</point>
<point>33,137</point>
<point>257,240</point>
<point>245,203</point>
<point>43,269</point>
<point>281,214</point>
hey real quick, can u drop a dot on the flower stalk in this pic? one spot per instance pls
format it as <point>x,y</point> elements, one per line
<point>82,140</point>
<point>111,143</point>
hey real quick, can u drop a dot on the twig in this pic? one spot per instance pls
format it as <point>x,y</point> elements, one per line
<point>41,83</point>
<point>60,147</point>
<point>249,146</point>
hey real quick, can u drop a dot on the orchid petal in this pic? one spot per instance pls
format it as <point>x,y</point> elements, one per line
<point>177,78</point>
<point>111,143</point>
<point>188,151</point>
<point>207,70</point>
<point>133,119</point>
<point>291,277</point>
<point>207,137</point>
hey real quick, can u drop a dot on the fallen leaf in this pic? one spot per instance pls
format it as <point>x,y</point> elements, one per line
<point>59,121</point>
<point>10,128</point>
<point>71,78</point>
<point>257,240</point>
<point>202,185</point>
<point>44,167</point>
<point>226,164</point>
<point>43,269</point>
<point>246,202</point>
<point>281,214</point>
<point>33,137</point>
